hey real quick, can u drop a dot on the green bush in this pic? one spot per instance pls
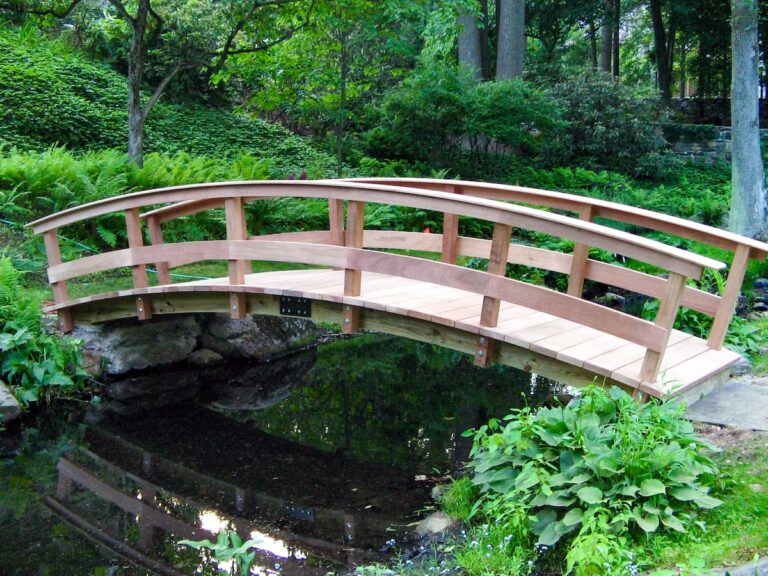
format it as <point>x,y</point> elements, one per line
<point>610,126</point>
<point>36,365</point>
<point>439,113</point>
<point>591,478</point>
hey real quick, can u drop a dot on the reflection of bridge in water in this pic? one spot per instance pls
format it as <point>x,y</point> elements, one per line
<point>308,510</point>
<point>559,335</point>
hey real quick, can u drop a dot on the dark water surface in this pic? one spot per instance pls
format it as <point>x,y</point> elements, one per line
<point>321,458</point>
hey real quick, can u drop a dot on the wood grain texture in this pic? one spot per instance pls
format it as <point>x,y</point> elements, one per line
<point>730,297</point>
<point>156,237</point>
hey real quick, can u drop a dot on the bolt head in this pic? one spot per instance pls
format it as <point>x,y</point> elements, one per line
<point>141,309</point>
<point>482,340</point>
<point>480,353</point>
<point>346,320</point>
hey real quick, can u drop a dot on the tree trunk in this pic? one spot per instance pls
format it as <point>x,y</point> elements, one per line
<point>510,53</point>
<point>606,38</point>
<point>484,39</point>
<point>664,73</point>
<point>593,43</point>
<point>469,44</point>
<point>683,72</point>
<point>341,126</point>
<point>748,196</point>
<point>136,55</point>
<point>616,22</point>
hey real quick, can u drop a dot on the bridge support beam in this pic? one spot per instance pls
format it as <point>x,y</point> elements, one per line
<point>580,257</point>
<point>60,295</point>
<point>236,230</point>
<point>350,322</point>
<point>665,318</point>
<point>489,315</point>
<point>139,272</point>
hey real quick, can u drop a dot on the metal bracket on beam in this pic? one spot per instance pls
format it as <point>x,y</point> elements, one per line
<point>483,351</point>
<point>350,319</point>
<point>143,307</point>
<point>295,306</point>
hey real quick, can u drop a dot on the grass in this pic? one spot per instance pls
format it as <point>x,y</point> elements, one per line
<point>760,361</point>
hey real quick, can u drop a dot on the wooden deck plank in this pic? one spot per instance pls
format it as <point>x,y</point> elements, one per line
<point>552,345</point>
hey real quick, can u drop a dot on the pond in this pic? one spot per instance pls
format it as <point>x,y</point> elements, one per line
<point>326,459</point>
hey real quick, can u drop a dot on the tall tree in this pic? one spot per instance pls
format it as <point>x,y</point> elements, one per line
<point>749,202</point>
<point>510,52</point>
<point>469,43</point>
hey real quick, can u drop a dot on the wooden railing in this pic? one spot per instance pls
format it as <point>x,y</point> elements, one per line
<point>344,247</point>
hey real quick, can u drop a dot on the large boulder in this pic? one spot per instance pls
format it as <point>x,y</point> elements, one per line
<point>9,406</point>
<point>125,346</point>
<point>256,337</point>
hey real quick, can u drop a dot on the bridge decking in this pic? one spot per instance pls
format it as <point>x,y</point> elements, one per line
<point>687,361</point>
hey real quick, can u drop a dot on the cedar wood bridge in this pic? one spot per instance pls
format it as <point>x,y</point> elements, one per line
<point>358,285</point>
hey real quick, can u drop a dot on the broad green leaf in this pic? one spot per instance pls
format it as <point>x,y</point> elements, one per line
<point>651,487</point>
<point>590,494</point>
<point>685,493</point>
<point>706,501</point>
<point>629,490</point>
<point>561,498</point>
<point>581,478</point>
<point>552,533</point>
<point>673,522</point>
<point>573,517</point>
<point>648,523</point>
<point>527,479</point>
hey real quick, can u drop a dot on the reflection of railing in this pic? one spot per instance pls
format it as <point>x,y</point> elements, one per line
<point>151,515</point>
<point>344,247</point>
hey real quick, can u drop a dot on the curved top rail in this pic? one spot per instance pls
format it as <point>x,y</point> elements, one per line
<point>605,209</point>
<point>650,251</point>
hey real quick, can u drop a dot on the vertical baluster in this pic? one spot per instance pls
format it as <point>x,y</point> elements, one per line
<point>450,231</point>
<point>336,221</point>
<point>729,298</point>
<point>665,318</point>
<point>350,317</point>
<point>236,230</point>
<point>489,315</point>
<point>51,239</point>
<point>580,256</point>
<point>139,271</point>
<point>156,237</point>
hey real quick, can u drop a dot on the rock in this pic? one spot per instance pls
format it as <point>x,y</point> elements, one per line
<point>752,316</point>
<point>742,367</point>
<point>256,337</point>
<point>438,492</point>
<point>204,357</point>
<point>125,346</point>
<point>9,406</point>
<point>434,524</point>
<point>761,284</point>
<point>612,300</point>
<point>760,307</point>
<point>154,385</point>
<point>92,363</point>
<point>756,487</point>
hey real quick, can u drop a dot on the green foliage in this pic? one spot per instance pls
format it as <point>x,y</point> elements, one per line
<point>609,126</point>
<point>459,499</point>
<point>439,110</point>
<point>80,104</point>
<point>229,547</point>
<point>36,365</point>
<point>593,476</point>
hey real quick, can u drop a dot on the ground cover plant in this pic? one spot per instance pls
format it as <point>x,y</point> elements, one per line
<point>578,488</point>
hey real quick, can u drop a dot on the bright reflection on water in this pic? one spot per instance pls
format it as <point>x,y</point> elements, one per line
<point>319,459</point>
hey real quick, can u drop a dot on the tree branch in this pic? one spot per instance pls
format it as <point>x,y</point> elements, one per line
<point>120,7</point>
<point>163,85</point>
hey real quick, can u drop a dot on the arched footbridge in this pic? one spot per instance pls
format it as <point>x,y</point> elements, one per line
<point>368,279</point>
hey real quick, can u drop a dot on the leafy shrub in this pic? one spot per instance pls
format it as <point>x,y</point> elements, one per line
<point>593,476</point>
<point>70,101</point>
<point>35,364</point>
<point>439,112</point>
<point>609,125</point>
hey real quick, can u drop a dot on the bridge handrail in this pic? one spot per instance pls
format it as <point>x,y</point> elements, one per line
<point>238,249</point>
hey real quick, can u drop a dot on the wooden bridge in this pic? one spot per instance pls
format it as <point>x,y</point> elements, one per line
<point>360,285</point>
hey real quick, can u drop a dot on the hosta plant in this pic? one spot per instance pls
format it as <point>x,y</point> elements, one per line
<point>640,464</point>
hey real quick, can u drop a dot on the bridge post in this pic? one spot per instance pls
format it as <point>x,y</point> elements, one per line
<point>156,237</point>
<point>580,256</point>
<point>236,230</point>
<point>489,314</point>
<point>665,318</point>
<point>450,231</point>
<point>729,297</point>
<point>350,316</point>
<point>53,252</point>
<point>336,221</point>
<point>139,271</point>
